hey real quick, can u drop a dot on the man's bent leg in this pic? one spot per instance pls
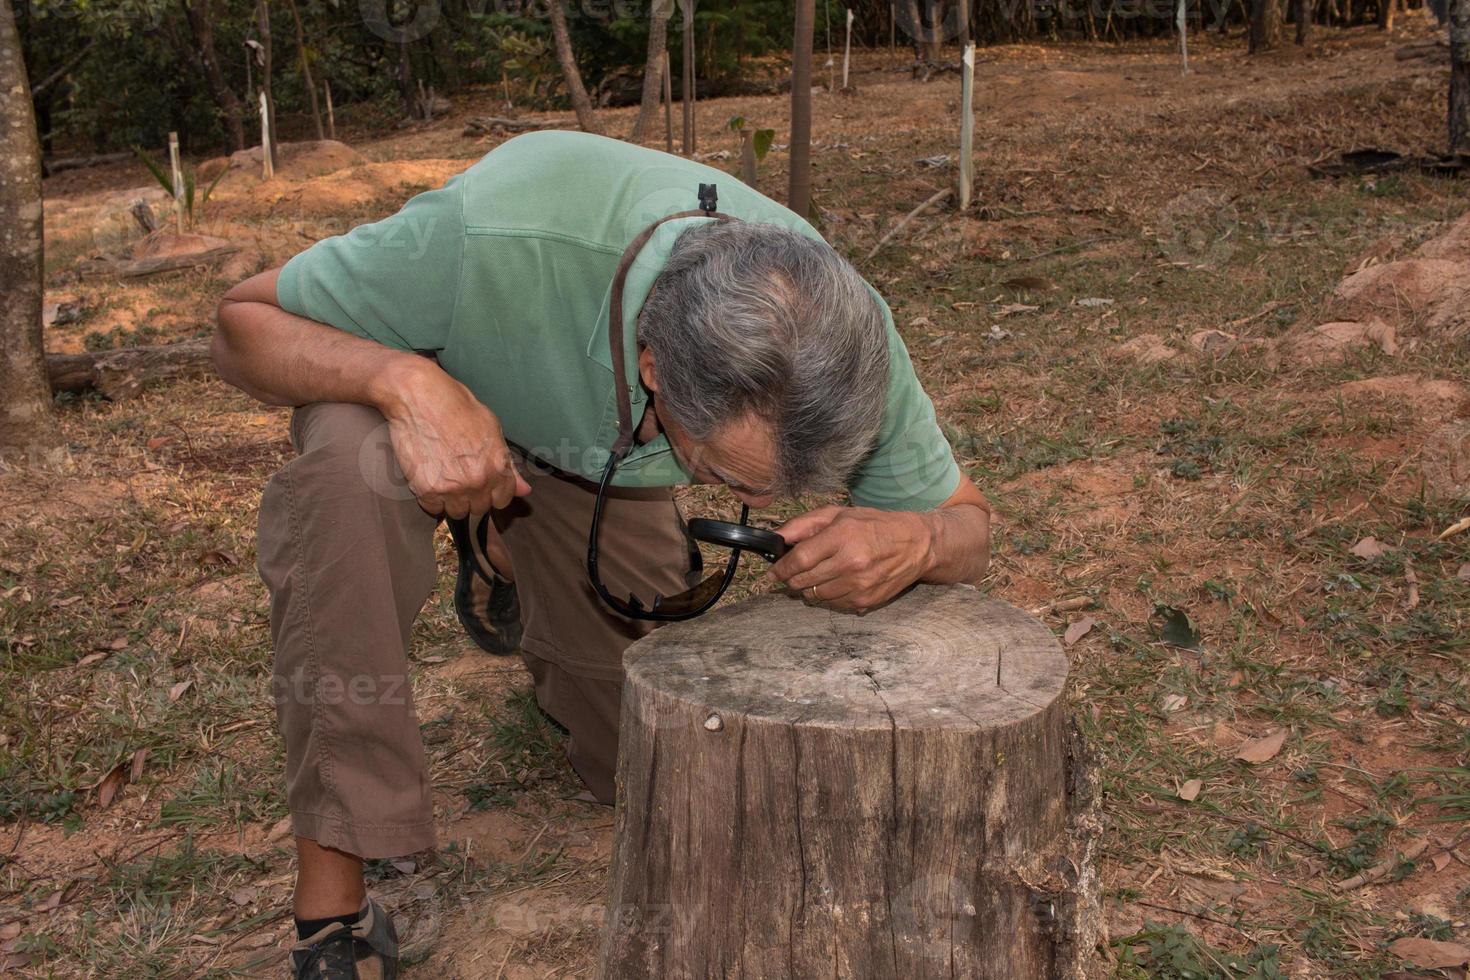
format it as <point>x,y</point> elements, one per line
<point>573,643</point>
<point>348,557</point>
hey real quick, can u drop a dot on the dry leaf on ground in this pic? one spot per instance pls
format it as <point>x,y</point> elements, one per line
<point>1262,749</point>
<point>1078,630</point>
<point>1190,790</point>
<point>1430,953</point>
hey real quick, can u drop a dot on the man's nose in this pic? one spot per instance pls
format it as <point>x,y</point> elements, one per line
<point>754,499</point>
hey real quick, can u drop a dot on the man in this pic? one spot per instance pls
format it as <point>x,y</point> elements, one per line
<point>461,359</point>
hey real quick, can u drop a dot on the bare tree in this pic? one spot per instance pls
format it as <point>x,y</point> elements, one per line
<point>799,193</point>
<point>1303,20</point>
<point>1265,25</point>
<point>263,25</point>
<point>686,89</point>
<point>26,423</point>
<point>201,25</point>
<point>1459,18</point>
<point>653,68</point>
<point>586,118</point>
<point>316,112</point>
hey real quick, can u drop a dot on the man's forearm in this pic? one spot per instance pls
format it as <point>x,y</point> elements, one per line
<point>284,359</point>
<point>960,543</point>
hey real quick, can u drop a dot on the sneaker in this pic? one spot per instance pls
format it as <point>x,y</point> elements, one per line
<point>489,608</point>
<point>366,951</point>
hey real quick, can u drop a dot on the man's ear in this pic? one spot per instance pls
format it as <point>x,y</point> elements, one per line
<point>646,369</point>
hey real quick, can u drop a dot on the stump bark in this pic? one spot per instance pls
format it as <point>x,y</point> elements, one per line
<point>805,793</point>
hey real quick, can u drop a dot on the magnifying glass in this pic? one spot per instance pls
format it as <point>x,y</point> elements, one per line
<point>768,544</point>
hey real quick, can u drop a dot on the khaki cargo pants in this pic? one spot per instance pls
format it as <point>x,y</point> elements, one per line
<point>348,556</point>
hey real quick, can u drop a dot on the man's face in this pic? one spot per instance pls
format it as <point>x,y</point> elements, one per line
<point>742,455</point>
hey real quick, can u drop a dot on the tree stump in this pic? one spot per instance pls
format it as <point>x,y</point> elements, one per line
<point>805,793</point>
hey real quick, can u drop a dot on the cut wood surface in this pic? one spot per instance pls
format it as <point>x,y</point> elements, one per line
<point>123,373</point>
<point>807,793</point>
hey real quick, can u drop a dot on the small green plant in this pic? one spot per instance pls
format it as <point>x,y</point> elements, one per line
<point>190,182</point>
<point>754,145</point>
<point>1174,953</point>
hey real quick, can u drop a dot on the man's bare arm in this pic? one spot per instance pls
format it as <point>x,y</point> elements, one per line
<point>448,444</point>
<point>284,359</point>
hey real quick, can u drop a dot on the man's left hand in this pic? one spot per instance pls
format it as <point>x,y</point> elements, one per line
<point>854,558</point>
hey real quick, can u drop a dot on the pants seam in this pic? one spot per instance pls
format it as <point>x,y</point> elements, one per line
<point>319,724</point>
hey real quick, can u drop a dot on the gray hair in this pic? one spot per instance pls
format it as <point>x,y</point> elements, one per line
<point>753,318</point>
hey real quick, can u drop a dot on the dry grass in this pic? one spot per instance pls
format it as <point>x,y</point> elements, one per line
<point>1227,488</point>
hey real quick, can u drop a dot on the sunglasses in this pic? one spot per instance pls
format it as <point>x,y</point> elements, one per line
<point>665,609</point>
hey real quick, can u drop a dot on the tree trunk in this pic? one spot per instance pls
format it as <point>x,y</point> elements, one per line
<point>201,25</point>
<point>1385,15</point>
<point>263,24</point>
<point>27,426</point>
<point>1459,18</point>
<point>799,192</point>
<point>1265,31</point>
<point>316,112</point>
<point>658,39</point>
<point>686,89</point>
<point>1304,21</point>
<point>932,30</point>
<point>586,118</point>
<point>805,794</point>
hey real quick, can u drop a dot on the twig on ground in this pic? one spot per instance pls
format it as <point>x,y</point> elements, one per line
<point>904,221</point>
<point>1383,867</point>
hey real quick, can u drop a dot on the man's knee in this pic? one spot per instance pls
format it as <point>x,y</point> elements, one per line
<point>349,448</point>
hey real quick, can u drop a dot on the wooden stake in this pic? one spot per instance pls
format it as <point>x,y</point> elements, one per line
<point>747,156</point>
<point>178,174</point>
<point>268,169</point>
<point>668,105</point>
<point>967,125</point>
<point>331,116</point>
<point>847,49</point>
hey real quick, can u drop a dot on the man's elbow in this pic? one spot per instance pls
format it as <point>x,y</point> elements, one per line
<point>221,347</point>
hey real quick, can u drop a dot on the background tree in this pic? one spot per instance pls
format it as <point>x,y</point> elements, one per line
<point>799,192</point>
<point>263,25</point>
<point>1303,17</point>
<point>200,14</point>
<point>306,79</point>
<point>1459,18</point>
<point>658,39</point>
<point>1265,32</point>
<point>26,423</point>
<point>586,118</point>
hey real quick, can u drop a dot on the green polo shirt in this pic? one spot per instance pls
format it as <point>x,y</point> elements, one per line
<point>504,274</point>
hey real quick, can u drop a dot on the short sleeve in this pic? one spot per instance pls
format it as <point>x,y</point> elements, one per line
<point>912,467</point>
<point>395,281</point>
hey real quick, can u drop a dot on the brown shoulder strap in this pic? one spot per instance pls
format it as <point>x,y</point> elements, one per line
<point>615,322</point>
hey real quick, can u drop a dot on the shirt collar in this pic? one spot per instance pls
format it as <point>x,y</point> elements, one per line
<point>653,463</point>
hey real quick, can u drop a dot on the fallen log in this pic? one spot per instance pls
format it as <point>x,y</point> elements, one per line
<point>152,265</point>
<point>78,163</point>
<point>485,125</point>
<point>897,796</point>
<point>123,373</point>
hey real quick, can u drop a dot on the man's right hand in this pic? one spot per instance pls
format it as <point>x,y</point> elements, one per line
<point>448,444</point>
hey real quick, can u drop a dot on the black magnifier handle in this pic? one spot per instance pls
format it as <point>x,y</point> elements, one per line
<point>768,544</point>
